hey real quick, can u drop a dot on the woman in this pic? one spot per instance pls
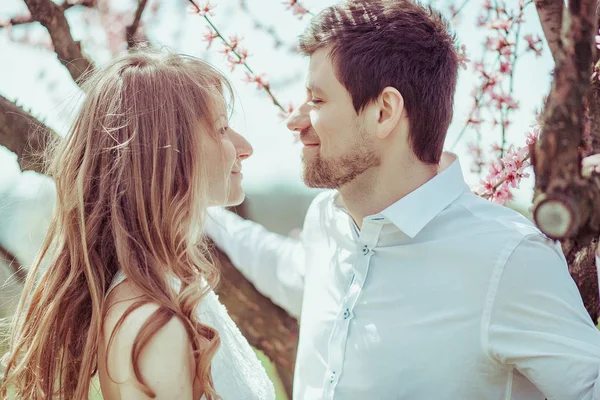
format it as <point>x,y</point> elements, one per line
<point>127,289</point>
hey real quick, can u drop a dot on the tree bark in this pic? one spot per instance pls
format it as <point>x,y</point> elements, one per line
<point>131,30</point>
<point>52,17</point>
<point>556,157</point>
<point>551,13</point>
<point>24,135</point>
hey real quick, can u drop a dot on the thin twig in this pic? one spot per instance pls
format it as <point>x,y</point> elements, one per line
<point>131,29</point>
<point>233,50</point>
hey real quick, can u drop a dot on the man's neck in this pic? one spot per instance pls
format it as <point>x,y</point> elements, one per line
<point>379,188</point>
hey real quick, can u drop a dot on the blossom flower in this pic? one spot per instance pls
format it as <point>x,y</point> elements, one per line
<point>297,8</point>
<point>462,57</point>
<point>260,79</point>
<point>506,174</point>
<point>203,10</point>
<point>477,153</point>
<point>285,114</point>
<point>209,37</point>
<point>534,44</point>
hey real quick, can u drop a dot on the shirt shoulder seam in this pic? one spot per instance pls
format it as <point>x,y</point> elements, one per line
<point>494,283</point>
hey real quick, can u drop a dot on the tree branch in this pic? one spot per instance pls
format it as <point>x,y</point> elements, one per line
<point>130,30</point>
<point>24,135</point>
<point>27,19</point>
<point>551,15</point>
<point>19,271</point>
<point>52,17</point>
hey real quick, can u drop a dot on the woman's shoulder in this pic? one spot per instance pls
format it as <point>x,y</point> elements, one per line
<point>166,360</point>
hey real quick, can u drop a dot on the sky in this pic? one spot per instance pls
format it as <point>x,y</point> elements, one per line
<point>36,79</point>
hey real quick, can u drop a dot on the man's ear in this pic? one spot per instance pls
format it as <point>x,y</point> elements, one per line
<point>391,107</point>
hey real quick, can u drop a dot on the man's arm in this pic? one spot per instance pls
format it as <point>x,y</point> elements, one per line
<point>273,263</point>
<point>539,325</point>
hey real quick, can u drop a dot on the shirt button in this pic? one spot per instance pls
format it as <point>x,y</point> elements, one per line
<point>346,313</point>
<point>365,250</point>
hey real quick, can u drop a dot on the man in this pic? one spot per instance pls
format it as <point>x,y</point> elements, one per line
<point>406,284</point>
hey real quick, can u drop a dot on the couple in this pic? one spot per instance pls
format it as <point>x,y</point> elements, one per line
<point>407,285</point>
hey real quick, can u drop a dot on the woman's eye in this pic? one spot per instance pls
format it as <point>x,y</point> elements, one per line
<point>315,101</point>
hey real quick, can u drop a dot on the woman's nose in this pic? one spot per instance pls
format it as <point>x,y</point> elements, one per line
<point>243,147</point>
<point>299,119</point>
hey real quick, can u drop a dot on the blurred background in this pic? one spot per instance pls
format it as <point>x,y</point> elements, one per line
<point>31,76</point>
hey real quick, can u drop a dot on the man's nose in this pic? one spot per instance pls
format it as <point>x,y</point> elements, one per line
<point>299,119</point>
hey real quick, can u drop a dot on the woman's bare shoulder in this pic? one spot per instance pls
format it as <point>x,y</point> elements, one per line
<point>166,362</point>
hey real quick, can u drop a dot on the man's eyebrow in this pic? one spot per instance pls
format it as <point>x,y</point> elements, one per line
<point>314,88</point>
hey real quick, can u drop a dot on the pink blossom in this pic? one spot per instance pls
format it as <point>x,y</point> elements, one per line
<point>209,37</point>
<point>501,44</point>
<point>534,44</point>
<point>477,154</point>
<point>297,8</point>
<point>503,99</point>
<point>497,149</point>
<point>237,59</point>
<point>261,80</point>
<point>202,10</point>
<point>234,41</point>
<point>462,57</point>
<point>505,68</point>
<point>532,137</point>
<point>502,195</point>
<point>499,24</point>
<point>474,121</point>
<point>284,115</point>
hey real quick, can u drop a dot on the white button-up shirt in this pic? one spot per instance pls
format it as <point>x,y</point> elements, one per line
<point>443,295</point>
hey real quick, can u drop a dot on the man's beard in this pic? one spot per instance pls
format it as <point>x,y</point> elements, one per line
<point>336,172</point>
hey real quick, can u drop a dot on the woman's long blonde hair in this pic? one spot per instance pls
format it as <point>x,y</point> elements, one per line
<point>131,195</point>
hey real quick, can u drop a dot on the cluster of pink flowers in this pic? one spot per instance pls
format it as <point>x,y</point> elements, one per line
<point>235,54</point>
<point>506,173</point>
<point>493,97</point>
<point>535,44</point>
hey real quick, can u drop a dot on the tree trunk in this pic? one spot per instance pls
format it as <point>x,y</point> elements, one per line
<point>565,203</point>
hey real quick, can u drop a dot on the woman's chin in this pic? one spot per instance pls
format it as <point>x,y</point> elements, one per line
<point>235,199</point>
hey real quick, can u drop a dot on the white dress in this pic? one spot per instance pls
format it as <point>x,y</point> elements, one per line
<point>237,373</point>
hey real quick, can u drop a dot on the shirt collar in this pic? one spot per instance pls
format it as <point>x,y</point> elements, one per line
<point>415,210</point>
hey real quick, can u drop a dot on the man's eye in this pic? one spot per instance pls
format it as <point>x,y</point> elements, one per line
<point>223,131</point>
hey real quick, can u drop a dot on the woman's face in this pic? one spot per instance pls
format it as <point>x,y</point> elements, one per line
<point>224,156</point>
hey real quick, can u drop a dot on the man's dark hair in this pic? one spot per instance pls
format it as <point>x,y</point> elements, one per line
<point>398,43</point>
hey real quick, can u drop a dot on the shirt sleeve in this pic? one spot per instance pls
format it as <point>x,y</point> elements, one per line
<point>273,263</point>
<point>539,325</point>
